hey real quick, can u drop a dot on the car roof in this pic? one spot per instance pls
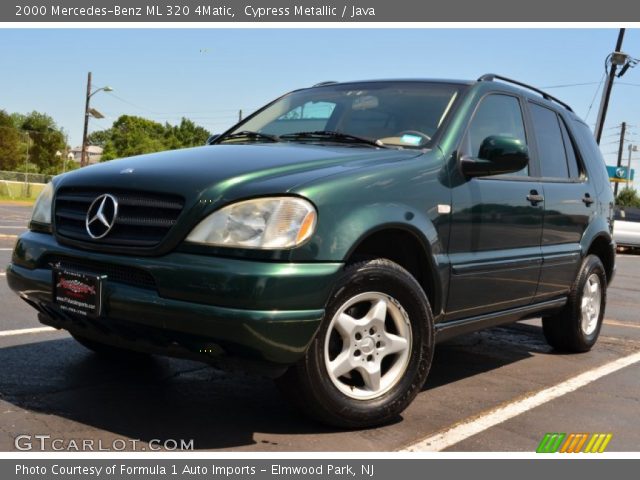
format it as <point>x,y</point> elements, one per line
<point>502,83</point>
<point>399,80</point>
<point>497,81</point>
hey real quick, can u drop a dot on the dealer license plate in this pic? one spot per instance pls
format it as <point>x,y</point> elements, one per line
<point>78,293</point>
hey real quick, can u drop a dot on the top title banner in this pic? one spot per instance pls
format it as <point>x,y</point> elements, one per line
<point>313,11</point>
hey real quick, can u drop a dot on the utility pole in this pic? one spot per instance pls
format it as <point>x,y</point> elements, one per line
<point>84,161</point>
<point>240,115</point>
<point>606,91</point>
<point>623,130</point>
<point>83,154</point>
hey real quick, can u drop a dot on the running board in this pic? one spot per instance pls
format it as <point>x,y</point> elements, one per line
<point>447,330</point>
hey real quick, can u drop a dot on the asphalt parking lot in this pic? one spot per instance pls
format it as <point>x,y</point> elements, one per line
<point>50,385</point>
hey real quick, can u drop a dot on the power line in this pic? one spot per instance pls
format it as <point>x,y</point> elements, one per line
<point>604,75</point>
<point>232,111</point>
<point>111,94</point>
<point>566,85</point>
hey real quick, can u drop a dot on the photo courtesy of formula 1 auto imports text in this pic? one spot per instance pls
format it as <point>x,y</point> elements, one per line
<point>289,239</point>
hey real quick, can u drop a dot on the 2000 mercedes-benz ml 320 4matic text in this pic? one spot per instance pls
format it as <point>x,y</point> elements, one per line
<point>333,237</point>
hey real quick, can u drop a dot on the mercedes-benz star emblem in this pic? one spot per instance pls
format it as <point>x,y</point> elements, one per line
<point>101,216</point>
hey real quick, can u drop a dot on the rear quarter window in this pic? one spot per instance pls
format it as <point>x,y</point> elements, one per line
<point>594,164</point>
<point>589,151</point>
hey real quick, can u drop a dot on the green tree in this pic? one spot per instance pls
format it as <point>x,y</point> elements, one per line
<point>71,165</point>
<point>28,168</point>
<point>188,134</point>
<point>99,138</point>
<point>10,143</point>
<point>45,139</point>
<point>628,197</point>
<point>131,135</point>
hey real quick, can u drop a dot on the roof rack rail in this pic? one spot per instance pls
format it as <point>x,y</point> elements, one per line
<point>328,82</point>
<point>489,77</point>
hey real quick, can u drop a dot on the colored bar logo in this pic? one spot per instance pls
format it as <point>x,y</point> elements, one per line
<point>573,442</point>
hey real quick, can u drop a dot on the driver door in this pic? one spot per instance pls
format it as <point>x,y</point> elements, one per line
<point>496,228</point>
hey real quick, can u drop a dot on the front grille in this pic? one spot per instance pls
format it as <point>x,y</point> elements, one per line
<point>115,273</point>
<point>143,219</point>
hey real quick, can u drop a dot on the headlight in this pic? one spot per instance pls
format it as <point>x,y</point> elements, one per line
<point>42,208</point>
<point>267,223</point>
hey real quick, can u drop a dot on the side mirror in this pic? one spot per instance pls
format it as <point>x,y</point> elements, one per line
<point>212,138</point>
<point>498,155</point>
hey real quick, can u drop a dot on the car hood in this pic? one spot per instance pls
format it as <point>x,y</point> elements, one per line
<point>218,169</point>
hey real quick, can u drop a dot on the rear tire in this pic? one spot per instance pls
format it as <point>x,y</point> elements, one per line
<point>372,353</point>
<point>576,328</point>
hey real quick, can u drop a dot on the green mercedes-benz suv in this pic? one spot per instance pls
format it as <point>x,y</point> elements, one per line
<point>332,238</point>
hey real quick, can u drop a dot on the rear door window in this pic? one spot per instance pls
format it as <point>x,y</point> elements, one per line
<point>550,142</point>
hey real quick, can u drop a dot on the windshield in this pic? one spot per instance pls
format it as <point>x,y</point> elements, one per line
<point>392,114</point>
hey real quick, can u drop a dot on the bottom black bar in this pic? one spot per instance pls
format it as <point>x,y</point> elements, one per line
<point>583,467</point>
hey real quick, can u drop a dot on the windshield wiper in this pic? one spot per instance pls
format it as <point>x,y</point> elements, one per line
<point>250,135</point>
<point>335,136</point>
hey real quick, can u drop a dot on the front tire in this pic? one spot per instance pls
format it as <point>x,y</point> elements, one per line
<point>576,328</point>
<point>372,353</point>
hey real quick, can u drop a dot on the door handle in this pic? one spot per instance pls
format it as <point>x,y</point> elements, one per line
<point>587,199</point>
<point>535,198</point>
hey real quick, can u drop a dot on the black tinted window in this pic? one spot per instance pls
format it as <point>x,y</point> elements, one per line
<point>572,158</point>
<point>553,159</point>
<point>496,115</point>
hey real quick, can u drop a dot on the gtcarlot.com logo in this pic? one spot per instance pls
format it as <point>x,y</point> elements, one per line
<point>574,443</point>
<point>47,442</point>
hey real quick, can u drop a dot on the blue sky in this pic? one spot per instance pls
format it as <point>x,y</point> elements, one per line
<point>209,74</point>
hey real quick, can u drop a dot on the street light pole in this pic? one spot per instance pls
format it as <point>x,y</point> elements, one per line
<point>83,155</point>
<point>87,111</point>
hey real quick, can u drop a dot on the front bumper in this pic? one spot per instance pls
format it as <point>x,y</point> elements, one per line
<point>261,311</point>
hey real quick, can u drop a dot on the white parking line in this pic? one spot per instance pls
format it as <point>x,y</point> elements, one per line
<point>6,249</point>
<point>468,428</point>
<point>13,227</point>
<point>24,331</point>
<point>622,324</point>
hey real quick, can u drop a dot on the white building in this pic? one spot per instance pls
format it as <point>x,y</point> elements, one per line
<point>94,154</point>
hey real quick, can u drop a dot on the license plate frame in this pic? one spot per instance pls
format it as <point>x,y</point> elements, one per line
<point>78,293</point>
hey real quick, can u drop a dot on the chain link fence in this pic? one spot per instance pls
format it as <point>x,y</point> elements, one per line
<point>25,177</point>
<point>22,186</point>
